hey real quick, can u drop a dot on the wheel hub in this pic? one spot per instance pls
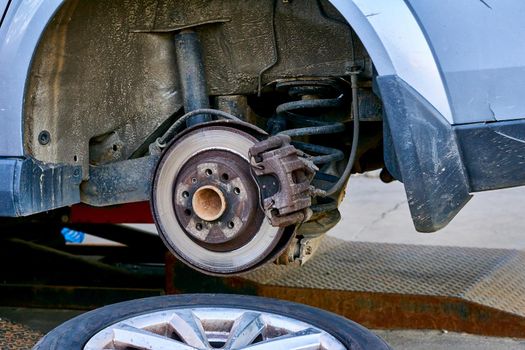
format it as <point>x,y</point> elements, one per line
<point>216,200</point>
<point>209,203</point>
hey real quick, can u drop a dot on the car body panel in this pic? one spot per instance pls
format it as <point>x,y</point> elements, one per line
<point>480,48</point>
<point>28,186</point>
<point>23,25</point>
<point>3,7</point>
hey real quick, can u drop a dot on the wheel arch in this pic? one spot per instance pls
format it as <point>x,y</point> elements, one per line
<point>387,28</point>
<point>397,45</point>
<point>23,25</point>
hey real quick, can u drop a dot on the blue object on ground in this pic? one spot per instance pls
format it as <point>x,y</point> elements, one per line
<point>72,236</point>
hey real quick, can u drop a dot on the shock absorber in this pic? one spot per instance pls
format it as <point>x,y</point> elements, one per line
<point>317,110</point>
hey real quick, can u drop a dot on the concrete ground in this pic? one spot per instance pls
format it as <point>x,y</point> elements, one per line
<point>376,212</point>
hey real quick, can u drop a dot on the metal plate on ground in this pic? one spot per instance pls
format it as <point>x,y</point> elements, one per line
<point>406,286</point>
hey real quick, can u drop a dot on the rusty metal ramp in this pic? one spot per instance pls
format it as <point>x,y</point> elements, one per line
<point>479,291</point>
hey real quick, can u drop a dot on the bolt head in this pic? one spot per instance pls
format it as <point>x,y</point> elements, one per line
<point>44,137</point>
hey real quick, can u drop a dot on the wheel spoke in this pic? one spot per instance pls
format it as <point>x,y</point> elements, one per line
<point>244,330</point>
<point>207,328</point>
<point>308,339</point>
<point>189,329</point>
<point>125,335</point>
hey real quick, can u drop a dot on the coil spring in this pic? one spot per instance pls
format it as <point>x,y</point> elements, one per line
<point>307,118</point>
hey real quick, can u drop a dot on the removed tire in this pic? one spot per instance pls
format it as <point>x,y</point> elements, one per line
<point>210,321</point>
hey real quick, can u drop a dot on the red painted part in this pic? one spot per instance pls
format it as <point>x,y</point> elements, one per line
<point>131,213</point>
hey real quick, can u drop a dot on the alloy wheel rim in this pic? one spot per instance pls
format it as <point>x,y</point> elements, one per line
<point>209,328</point>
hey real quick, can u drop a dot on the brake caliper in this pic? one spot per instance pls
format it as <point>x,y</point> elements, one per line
<point>284,175</point>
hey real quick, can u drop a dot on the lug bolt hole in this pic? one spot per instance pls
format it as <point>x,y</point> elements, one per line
<point>198,227</point>
<point>237,190</point>
<point>231,225</point>
<point>208,172</point>
<point>185,194</point>
<point>225,177</point>
<point>187,212</point>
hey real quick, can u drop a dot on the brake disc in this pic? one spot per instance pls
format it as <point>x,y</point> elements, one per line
<point>206,202</point>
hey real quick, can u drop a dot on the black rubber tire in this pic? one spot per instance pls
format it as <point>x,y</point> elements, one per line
<point>75,333</point>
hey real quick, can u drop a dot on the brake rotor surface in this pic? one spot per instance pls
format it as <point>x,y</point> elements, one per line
<point>206,203</point>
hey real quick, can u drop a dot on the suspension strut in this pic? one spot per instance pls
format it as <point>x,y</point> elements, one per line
<point>192,75</point>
